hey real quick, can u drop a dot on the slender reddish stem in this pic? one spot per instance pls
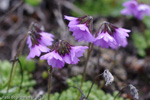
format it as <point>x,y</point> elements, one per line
<point>49,81</point>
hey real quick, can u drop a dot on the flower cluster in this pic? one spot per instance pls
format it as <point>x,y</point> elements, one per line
<point>132,7</point>
<point>108,35</point>
<point>62,53</point>
<point>38,41</point>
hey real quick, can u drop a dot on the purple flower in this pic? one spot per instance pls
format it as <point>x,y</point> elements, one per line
<point>75,52</point>
<point>46,38</point>
<point>111,36</point>
<point>54,59</point>
<point>105,40</point>
<point>133,8</point>
<point>143,10</point>
<point>37,42</point>
<point>36,51</point>
<point>63,53</point>
<point>80,28</point>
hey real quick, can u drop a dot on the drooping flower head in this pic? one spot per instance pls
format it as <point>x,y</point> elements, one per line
<point>109,35</point>
<point>132,7</point>
<point>108,77</point>
<point>134,92</point>
<point>62,53</point>
<point>38,41</point>
<point>143,10</point>
<point>81,26</point>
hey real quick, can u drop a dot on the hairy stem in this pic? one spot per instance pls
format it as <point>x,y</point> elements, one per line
<point>49,81</point>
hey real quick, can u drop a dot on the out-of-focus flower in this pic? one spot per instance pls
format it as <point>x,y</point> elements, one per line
<point>80,28</point>
<point>133,8</point>
<point>143,10</point>
<point>62,53</point>
<point>111,36</point>
<point>134,92</point>
<point>108,77</point>
<point>37,42</point>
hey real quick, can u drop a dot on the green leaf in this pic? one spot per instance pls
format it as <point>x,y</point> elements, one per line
<point>146,21</point>
<point>33,2</point>
<point>100,7</point>
<point>141,52</point>
<point>71,93</point>
<point>5,69</point>
<point>147,36</point>
<point>27,64</point>
<point>139,41</point>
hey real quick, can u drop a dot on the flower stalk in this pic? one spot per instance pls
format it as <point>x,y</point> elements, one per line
<point>18,54</point>
<point>10,77</point>
<point>49,81</point>
<point>93,84</point>
<point>133,91</point>
<point>90,48</point>
<point>114,60</point>
<point>108,78</point>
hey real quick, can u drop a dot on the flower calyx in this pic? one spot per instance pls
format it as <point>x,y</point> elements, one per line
<point>85,20</point>
<point>108,27</point>
<point>34,34</point>
<point>62,47</point>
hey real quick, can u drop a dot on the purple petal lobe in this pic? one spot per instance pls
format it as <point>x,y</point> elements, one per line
<point>36,51</point>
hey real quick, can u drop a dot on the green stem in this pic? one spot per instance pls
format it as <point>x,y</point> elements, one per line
<point>49,81</point>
